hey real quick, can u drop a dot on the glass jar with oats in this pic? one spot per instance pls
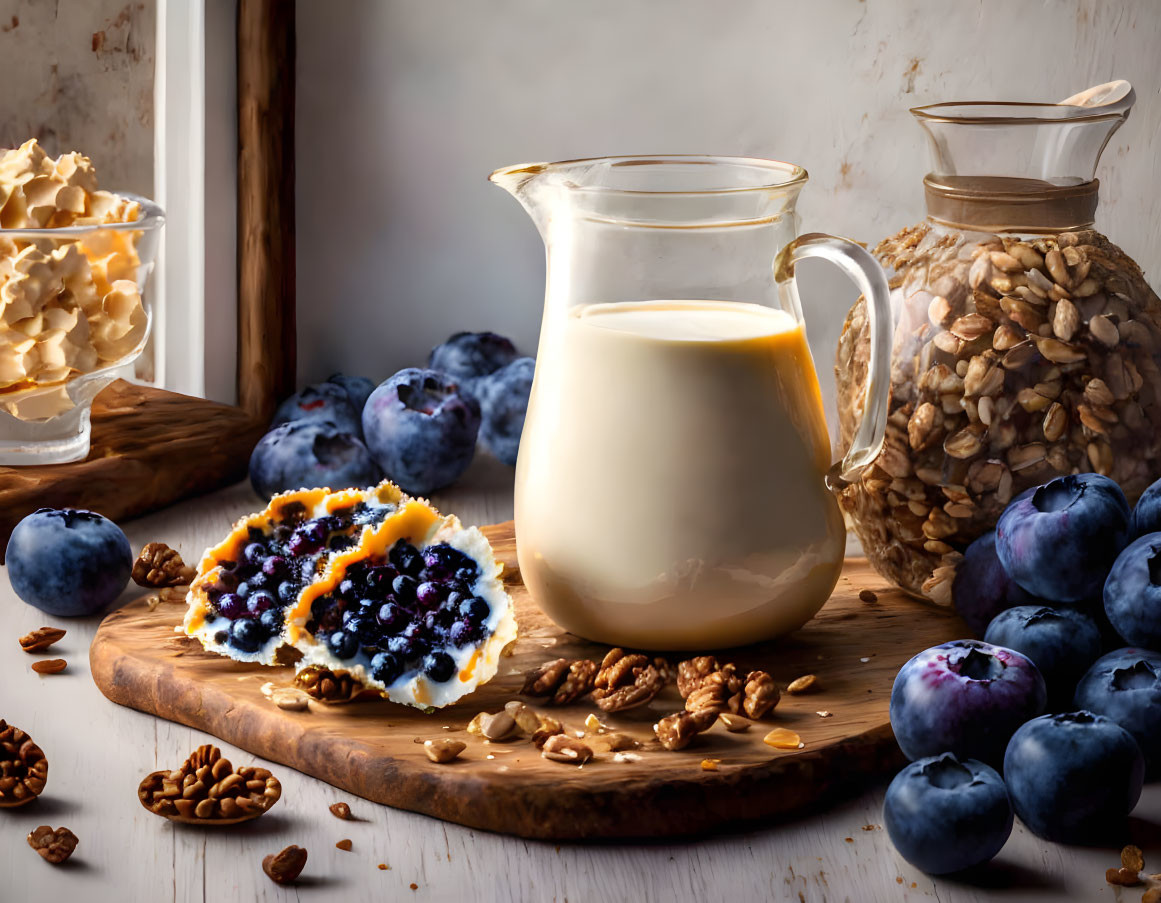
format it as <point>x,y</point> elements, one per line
<point>1026,343</point>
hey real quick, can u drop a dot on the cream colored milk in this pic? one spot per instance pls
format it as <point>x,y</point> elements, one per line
<point>669,490</point>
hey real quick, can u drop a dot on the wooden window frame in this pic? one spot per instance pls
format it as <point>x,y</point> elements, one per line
<point>151,447</point>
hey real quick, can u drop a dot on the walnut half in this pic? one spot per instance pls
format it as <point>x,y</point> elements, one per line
<point>626,681</point>
<point>677,731</point>
<point>158,566</point>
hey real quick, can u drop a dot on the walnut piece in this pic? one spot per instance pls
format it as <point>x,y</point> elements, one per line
<point>286,866</point>
<point>41,638</point>
<point>626,681</point>
<point>23,767</point>
<point>562,680</point>
<point>325,685</point>
<point>549,727</point>
<point>207,787</point>
<point>692,672</point>
<point>761,694</point>
<point>677,731</point>
<point>53,846</point>
<point>1132,858</point>
<point>340,810</point>
<point>158,565</point>
<point>444,749</point>
<point>562,748</point>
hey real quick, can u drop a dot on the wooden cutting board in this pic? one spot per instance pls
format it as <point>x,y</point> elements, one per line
<point>373,749</point>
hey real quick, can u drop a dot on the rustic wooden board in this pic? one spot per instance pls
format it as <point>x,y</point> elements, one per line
<point>371,749</point>
<point>150,448</point>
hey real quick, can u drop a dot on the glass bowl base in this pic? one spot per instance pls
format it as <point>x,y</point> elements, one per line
<point>60,440</point>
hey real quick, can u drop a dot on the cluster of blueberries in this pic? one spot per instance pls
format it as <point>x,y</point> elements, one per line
<point>1071,570</point>
<point>403,611</point>
<point>418,428</point>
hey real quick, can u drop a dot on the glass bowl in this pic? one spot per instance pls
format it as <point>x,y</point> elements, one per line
<point>48,423</point>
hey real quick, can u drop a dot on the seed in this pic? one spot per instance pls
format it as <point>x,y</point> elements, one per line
<point>1029,258</point>
<point>1025,456</point>
<point>1066,320</point>
<point>986,408</point>
<point>1006,337</point>
<point>1135,334</point>
<point>1006,262</point>
<point>444,749</point>
<point>735,724</point>
<point>802,684</point>
<point>1090,419</point>
<point>1097,392</point>
<point>1055,421</point>
<point>498,726</point>
<point>947,343</point>
<point>1019,356</point>
<point>1038,282</point>
<point>781,738</point>
<point>290,699</point>
<point>963,445</point>
<point>1054,262</point>
<point>1086,288</point>
<point>344,844</point>
<point>50,666</point>
<point>710,764</point>
<point>1100,456</point>
<point>971,326</point>
<point>1058,352</point>
<point>980,272</point>
<point>526,719</point>
<point>1071,255</point>
<point>938,311</point>
<point>921,427</point>
<point>1022,312</point>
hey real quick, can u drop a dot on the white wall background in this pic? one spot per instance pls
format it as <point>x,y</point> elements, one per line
<point>404,107</point>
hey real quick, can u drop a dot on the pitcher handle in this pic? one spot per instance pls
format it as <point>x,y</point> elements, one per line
<point>865,272</point>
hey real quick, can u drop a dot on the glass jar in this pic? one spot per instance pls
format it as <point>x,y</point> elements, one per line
<point>1025,343</point>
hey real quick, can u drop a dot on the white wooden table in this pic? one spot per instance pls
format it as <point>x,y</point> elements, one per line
<point>98,752</point>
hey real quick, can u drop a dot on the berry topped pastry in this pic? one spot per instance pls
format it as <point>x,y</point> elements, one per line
<point>368,582</point>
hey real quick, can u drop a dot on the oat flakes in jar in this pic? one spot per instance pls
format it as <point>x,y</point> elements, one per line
<point>1026,343</point>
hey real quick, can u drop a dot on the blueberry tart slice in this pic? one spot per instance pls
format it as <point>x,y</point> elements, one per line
<point>237,601</point>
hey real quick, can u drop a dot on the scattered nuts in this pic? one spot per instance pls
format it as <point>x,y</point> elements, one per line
<point>1132,858</point>
<point>285,867</point>
<point>344,845</point>
<point>562,680</point>
<point>341,810</point>
<point>495,727</point>
<point>325,685</point>
<point>290,699</point>
<point>526,719</point>
<point>823,713</point>
<point>549,727</point>
<point>207,789</point>
<point>677,731</point>
<point>53,846</point>
<point>158,565</point>
<point>802,684</point>
<point>23,767</point>
<point>443,750</point>
<point>50,666</point>
<point>562,748</point>
<point>593,723</point>
<point>867,595</point>
<point>710,764</point>
<point>735,724</point>
<point>41,638</point>
<point>761,694</point>
<point>612,741</point>
<point>1122,877</point>
<point>626,681</point>
<point>781,738</point>
<point>692,672</point>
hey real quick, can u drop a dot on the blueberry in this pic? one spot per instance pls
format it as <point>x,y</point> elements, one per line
<point>317,403</point>
<point>429,595</point>
<point>1125,686</point>
<point>1133,592</point>
<point>1147,513</point>
<point>1061,642</point>
<point>475,609</point>
<point>68,562</point>
<point>467,356</point>
<point>503,398</point>
<point>275,566</point>
<point>439,666</point>
<point>358,388</point>
<point>363,628</point>
<point>1059,541</point>
<point>404,648</point>
<point>964,697</point>
<point>271,621</point>
<point>377,581</point>
<point>246,634</point>
<point>944,815</point>
<point>404,587</point>
<point>464,633</point>
<point>386,667</point>
<point>467,574</point>
<point>1073,777</point>
<point>348,589</point>
<point>306,455</point>
<point>254,554</point>
<point>259,602</point>
<point>232,606</point>
<point>982,588</point>
<point>344,645</point>
<point>421,429</point>
<point>405,558</point>
<point>307,539</point>
<point>442,561</point>
<point>287,592</point>
<point>392,618</point>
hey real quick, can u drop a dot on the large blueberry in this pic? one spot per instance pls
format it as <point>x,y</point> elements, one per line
<point>503,398</point>
<point>467,356</point>
<point>1147,513</point>
<point>68,561</point>
<point>1062,643</point>
<point>421,429</point>
<point>358,388</point>
<point>1073,777</point>
<point>945,815</point>
<point>982,588</point>
<point>1125,685</point>
<point>317,403</point>
<point>1059,541</point>
<point>964,697</point>
<point>1133,592</point>
<point>306,454</point>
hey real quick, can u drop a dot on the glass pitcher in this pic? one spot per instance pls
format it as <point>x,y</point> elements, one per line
<point>1027,344</point>
<point>671,483</point>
